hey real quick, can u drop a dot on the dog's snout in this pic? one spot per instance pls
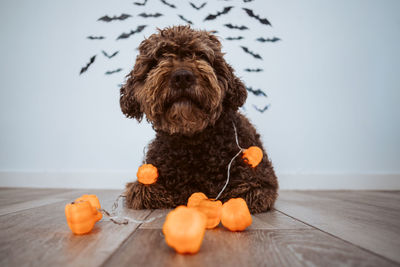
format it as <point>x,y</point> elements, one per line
<point>182,79</point>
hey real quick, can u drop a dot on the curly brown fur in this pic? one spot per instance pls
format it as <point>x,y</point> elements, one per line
<point>191,96</point>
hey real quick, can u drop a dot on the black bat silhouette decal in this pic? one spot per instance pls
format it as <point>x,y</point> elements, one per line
<point>254,70</point>
<point>245,49</point>
<point>113,71</point>
<point>261,110</point>
<point>127,35</point>
<point>96,37</point>
<point>252,15</point>
<point>108,19</point>
<point>230,26</point>
<point>140,4</point>
<point>198,7</point>
<point>155,15</point>
<point>168,4</point>
<point>91,61</point>
<point>234,38</point>
<point>273,40</point>
<point>225,11</point>
<point>109,56</point>
<point>185,19</point>
<point>256,92</point>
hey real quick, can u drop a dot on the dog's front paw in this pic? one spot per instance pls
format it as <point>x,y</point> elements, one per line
<point>140,196</point>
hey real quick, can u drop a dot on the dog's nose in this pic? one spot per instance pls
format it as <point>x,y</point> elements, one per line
<point>182,79</point>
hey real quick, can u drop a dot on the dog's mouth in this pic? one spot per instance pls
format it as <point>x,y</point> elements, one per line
<point>182,101</point>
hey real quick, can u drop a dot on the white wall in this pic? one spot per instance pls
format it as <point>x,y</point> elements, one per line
<point>333,83</point>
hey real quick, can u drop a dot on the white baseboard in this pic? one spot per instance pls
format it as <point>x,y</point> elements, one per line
<point>118,179</point>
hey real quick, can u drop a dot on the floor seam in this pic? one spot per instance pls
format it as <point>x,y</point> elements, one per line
<point>334,236</point>
<point>125,240</point>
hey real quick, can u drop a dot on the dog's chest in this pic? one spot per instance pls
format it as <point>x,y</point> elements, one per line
<point>191,164</point>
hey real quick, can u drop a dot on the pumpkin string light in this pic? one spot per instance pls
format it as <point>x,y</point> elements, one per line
<point>148,174</point>
<point>247,159</point>
<point>118,219</point>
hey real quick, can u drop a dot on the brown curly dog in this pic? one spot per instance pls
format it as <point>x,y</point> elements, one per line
<point>191,96</point>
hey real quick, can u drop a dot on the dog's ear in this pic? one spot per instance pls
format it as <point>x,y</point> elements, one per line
<point>144,62</point>
<point>236,93</point>
<point>129,105</point>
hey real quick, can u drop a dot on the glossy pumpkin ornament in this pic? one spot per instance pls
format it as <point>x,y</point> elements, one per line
<point>80,217</point>
<point>195,199</point>
<point>184,229</point>
<point>147,174</point>
<point>236,215</point>
<point>253,156</point>
<point>94,202</point>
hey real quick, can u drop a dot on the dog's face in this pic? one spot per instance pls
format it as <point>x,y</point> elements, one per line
<point>181,82</point>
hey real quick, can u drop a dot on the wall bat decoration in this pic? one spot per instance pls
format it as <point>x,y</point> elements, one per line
<point>140,4</point>
<point>168,4</point>
<point>96,37</point>
<point>91,61</point>
<point>214,16</point>
<point>127,35</point>
<point>198,7</point>
<point>234,38</point>
<point>256,92</point>
<point>120,17</point>
<point>245,49</point>
<point>241,28</point>
<point>272,40</point>
<point>261,110</point>
<point>207,11</point>
<point>109,56</point>
<point>252,15</point>
<point>112,71</point>
<point>254,70</point>
<point>155,15</point>
<point>185,19</point>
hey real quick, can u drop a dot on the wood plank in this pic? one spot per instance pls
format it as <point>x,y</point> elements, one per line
<point>379,199</point>
<point>367,223</point>
<point>146,247</point>
<point>24,199</point>
<point>267,220</point>
<point>40,236</point>
<point>10,196</point>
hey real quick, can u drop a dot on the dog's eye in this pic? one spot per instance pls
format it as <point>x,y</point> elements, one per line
<point>203,57</point>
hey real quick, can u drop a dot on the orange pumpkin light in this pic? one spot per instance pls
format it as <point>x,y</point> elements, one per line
<point>147,174</point>
<point>80,217</point>
<point>184,229</point>
<point>195,199</point>
<point>235,214</point>
<point>253,156</point>
<point>94,202</point>
<point>212,209</point>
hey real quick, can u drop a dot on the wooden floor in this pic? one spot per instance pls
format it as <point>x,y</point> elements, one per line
<point>307,228</point>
